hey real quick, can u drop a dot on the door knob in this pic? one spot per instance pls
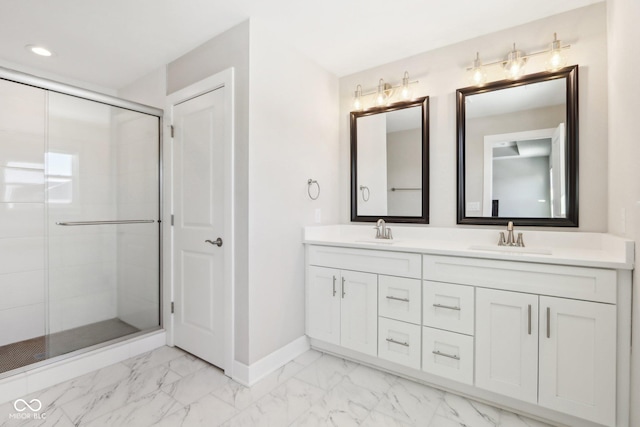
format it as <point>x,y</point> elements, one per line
<point>218,242</point>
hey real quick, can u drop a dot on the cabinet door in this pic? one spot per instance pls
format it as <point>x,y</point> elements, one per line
<point>323,304</point>
<point>507,343</point>
<point>359,312</point>
<point>578,358</point>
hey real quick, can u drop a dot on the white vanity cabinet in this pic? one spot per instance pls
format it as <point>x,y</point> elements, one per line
<point>549,339</point>
<point>344,308</point>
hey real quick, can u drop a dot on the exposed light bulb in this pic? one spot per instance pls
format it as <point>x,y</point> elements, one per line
<point>406,93</point>
<point>381,97</point>
<point>477,75</point>
<point>514,66</point>
<point>556,58</point>
<point>357,98</point>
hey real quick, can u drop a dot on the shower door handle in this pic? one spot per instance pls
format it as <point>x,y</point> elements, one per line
<point>218,242</point>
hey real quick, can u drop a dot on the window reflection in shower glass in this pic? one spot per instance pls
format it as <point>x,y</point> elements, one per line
<point>59,177</point>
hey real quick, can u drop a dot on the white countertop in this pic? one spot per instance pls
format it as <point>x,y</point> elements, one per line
<point>548,247</point>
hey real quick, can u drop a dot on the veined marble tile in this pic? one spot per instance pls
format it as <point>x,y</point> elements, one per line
<point>108,399</point>
<point>280,407</point>
<point>154,358</point>
<point>207,411</point>
<point>346,404</point>
<point>468,412</point>
<point>377,419</point>
<point>186,365</point>
<point>308,357</point>
<point>144,411</point>
<point>509,419</point>
<point>410,402</point>
<point>326,372</point>
<point>67,391</point>
<point>192,387</point>
<point>372,379</point>
<point>241,397</point>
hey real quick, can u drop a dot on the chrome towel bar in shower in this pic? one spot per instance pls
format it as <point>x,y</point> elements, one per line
<point>130,221</point>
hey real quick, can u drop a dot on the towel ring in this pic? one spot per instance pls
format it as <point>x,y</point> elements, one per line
<point>364,188</point>
<point>309,183</point>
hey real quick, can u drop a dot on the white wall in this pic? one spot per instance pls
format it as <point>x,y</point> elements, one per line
<point>293,137</point>
<point>624,152</point>
<point>442,71</point>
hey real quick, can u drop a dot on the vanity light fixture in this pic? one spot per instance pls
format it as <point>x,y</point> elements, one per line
<point>478,76</point>
<point>516,60</point>
<point>38,50</point>
<point>357,98</point>
<point>514,67</point>
<point>556,58</point>
<point>384,93</point>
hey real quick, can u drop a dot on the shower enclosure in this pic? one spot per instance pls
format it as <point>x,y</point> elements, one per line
<point>79,220</point>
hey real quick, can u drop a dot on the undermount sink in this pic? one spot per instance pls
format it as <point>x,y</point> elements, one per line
<point>511,249</point>
<point>378,241</point>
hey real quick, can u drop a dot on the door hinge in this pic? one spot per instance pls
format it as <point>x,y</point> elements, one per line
<point>172,308</point>
<point>172,220</point>
<point>172,131</point>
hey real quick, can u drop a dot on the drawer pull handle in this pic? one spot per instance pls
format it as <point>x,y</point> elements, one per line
<point>450,356</point>
<point>548,322</point>
<point>529,315</point>
<point>448,307</point>
<point>397,299</point>
<point>334,286</point>
<point>343,293</point>
<point>398,342</point>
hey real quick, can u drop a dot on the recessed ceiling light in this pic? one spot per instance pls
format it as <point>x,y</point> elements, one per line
<point>38,50</point>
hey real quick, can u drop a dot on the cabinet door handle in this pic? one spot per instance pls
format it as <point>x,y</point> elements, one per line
<point>397,299</point>
<point>450,356</point>
<point>529,326</point>
<point>548,322</point>
<point>334,286</point>
<point>448,307</point>
<point>343,293</point>
<point>391,340</point>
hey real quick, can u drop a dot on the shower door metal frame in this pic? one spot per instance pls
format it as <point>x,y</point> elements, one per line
<point>65,89</point>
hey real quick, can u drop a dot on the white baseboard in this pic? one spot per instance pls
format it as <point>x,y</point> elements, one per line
<point>39,378</point>
<point>248,375</point>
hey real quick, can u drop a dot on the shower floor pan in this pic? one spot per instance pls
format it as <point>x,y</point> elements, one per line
<point>23,353</point>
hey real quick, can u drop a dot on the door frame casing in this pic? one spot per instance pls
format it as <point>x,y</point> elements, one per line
<point>219,80</point>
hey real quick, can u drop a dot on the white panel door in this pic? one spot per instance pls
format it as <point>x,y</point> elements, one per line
<point>507,343</point>
<point>578,358</point>
<point>198,153</point>
<point>323,304</point>
<point>359,312</point>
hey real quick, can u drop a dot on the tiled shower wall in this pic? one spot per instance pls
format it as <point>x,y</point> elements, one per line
<point>22,210</point>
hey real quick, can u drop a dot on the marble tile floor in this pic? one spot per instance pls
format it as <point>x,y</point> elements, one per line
<point>168,387</point>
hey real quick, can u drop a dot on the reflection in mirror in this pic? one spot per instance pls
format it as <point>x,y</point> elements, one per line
<point>389,152</point>
<point>517,151</point>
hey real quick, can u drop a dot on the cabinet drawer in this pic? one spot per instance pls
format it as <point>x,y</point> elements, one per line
<point>592,284</point>
<point>399,298</point>
<point>447,354</point>
<point>449,307</point>
<point>399,342</point>
<point>381,262</point>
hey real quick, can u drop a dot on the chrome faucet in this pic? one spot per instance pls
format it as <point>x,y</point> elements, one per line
<point>510,240</point>
<point>382,231</point>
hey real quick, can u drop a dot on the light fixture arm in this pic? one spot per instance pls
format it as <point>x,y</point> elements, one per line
<point>525,57</point>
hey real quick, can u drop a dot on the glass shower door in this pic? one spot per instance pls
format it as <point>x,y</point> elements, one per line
<point>102,208</point>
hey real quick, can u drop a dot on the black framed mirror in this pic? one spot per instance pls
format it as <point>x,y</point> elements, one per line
<point>518,151</point>
<point>390,163</point>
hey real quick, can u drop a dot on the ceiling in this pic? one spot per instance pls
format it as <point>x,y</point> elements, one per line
<point>111,43</point>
